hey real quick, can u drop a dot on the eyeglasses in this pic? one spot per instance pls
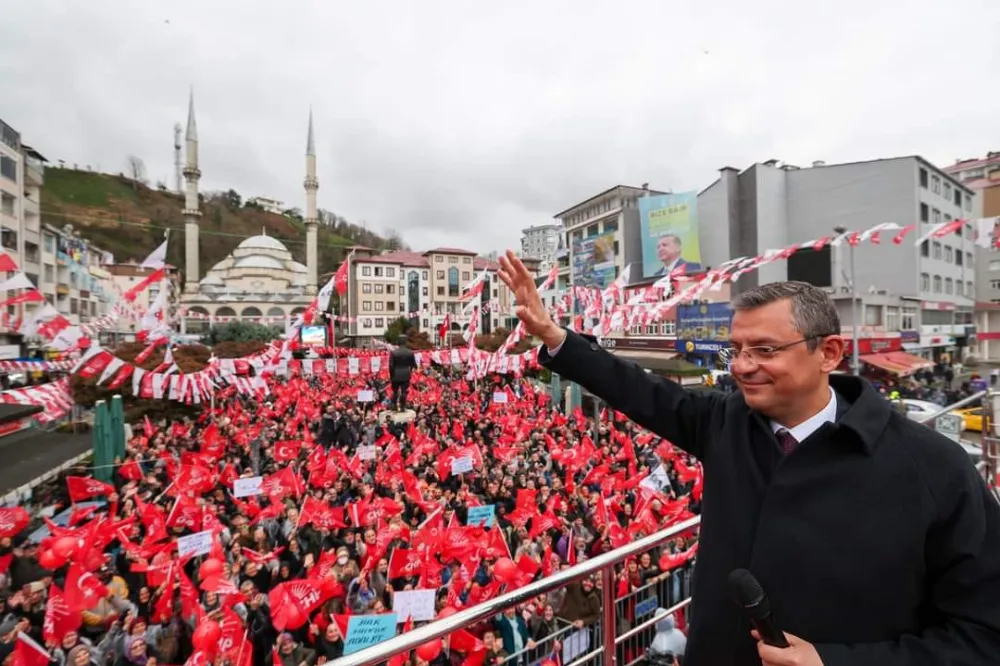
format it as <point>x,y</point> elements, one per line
<point>763,353</point>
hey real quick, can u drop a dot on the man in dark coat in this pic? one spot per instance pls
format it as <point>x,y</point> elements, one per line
<point>875,538</point>
<point>401,364</point>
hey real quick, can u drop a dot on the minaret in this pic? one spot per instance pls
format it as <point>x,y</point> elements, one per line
<point>312,217</point>
<point>191,210</point>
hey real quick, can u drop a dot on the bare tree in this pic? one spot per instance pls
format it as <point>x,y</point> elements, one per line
<point>393,240</point>
<point>136,170</point>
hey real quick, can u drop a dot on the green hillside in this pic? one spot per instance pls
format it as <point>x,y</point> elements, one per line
<point>129,219</point>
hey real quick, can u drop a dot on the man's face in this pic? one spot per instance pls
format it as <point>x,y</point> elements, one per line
<point>668,249</point>
<point>777,379</point>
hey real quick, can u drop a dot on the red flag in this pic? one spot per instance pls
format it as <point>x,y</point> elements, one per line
<point>28,653</point>
<point>83,589</point>
<point>59,618</point>
<point>82,488</point>
<point>340,278</point>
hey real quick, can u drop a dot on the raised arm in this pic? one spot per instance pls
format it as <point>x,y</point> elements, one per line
<point>655,403</point>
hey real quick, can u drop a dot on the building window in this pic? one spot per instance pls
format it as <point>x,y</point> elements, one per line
<point>366,288</point>
<point>379,322</point>
<point>925,282</point>
<point>873,315</point>
<point>425,274</point>
<point>453,282</point>
<point>891,318</point>
<point>378,271</point>
<point>440,291</point>
<point>923,178</point>
<point>908,320</point>
<point>413,297</point>
<point>466,260</point>
<point>936,216</point>
<point>968,203</point>
<point>949,287</point>
<point>959,287</point>
<point>8,168</point>
<point>958,257</point>
<point>391,289</point>
<point>925,249</point>
<point>452,260</point>
<point>968,231</point>
<point>935,185</point>
<point>424,322</point>
<point>423,291</point>
<point>366,271</point>
<point>937,250</point>
<point>439,275</point>
<point>390,271</point>
<point>391,306</point>
<point>379,305</point>
<point>968,289</point>
<point>610,225</point>
<point>949,254</point>
<point>379,288</point>
<point>937,284</point>
<point>367,322</point>
<point>366,306</point>
<point>925,214</point>
<point>947,191</point>
<point>995,264</point>
<point>465,276</point>
<point>969,259</point>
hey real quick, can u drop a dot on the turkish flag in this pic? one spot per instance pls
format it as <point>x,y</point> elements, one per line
<point>83,589</point>
<point>340,278</point>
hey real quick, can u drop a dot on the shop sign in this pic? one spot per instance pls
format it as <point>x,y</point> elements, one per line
<point>874,345</point>
<point>909,336</point>
<point>640,344</point>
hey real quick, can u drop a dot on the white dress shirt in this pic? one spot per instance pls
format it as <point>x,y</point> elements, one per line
<point>826,415</point>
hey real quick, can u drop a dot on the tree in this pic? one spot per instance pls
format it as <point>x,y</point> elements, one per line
<point>293,213</point>
<point>397,328</point>
<point>232,199</point>
<point>136,170</point>
<point>240,331</point>
<point>394,241</point>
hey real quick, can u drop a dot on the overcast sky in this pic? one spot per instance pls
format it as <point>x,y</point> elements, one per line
<point>461,122</point>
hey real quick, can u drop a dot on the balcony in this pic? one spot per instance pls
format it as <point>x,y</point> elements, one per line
<point>34,176</point>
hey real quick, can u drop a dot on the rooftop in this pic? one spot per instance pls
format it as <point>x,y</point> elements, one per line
<point>606,193</point>
<point>450,250</point>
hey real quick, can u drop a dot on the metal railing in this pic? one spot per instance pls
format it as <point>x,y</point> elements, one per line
<point>603,564</point>
<point>975,397</point>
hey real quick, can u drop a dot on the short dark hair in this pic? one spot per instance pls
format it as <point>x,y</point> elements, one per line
<point>813,313</point>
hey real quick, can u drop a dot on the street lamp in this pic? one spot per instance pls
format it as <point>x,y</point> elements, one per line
<point>855,364</point>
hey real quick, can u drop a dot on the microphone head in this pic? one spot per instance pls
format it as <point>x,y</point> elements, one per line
<point>747,592</point>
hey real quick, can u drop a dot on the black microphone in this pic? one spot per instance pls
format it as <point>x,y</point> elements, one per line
<point>749,596</point>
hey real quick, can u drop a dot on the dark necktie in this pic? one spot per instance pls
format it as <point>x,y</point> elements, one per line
<point>786,440</point>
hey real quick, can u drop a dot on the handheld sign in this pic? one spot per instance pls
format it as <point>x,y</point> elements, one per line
<point>461,465</point>
<point>198,543</point>
<point>480,515</point>
<point>366,396</point>
<point>367,630</point>
<point>415,604</point>
<point>247,487</point>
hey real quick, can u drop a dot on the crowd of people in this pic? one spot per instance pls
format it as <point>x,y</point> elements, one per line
<point>356,503</point>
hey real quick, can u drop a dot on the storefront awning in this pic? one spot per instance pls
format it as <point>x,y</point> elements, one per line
<point>898,363</point>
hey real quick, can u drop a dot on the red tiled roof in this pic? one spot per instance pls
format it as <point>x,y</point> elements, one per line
<point>480,263</point>
<point>377,259</point>
<point>449,250</point>
<point>965,165</point>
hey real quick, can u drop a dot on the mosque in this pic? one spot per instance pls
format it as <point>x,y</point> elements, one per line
<point>257,280</point>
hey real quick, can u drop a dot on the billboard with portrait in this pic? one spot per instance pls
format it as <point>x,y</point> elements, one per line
<point>703,327</point>
<point>669,226</point>
<point>594,261</point>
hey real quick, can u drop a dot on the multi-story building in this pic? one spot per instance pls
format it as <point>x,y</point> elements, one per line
<point>21,179</point>
<point>541,242</point>
<point>983,176</point>
<point>923,296</point>
<point>73,276</point>
<point>123,277</point>
<point>611,216</point>
<point>425,287</point>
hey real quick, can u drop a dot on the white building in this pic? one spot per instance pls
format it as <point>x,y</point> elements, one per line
<point>541,242</point>
<point>267,204</point>
<point>74,277</point>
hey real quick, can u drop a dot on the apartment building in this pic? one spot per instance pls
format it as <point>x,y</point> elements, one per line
<point>924,296</point>
<point>425,287</point>
<point>541,242</point>
<point>611,216</point>
<point>73,275</point>
<point>983,176</point>
<point>122,277</point>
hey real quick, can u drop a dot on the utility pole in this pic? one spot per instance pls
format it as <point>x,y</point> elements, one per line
<point>855,363</point>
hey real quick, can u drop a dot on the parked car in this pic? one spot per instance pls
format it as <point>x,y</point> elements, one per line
<point>919,410</point>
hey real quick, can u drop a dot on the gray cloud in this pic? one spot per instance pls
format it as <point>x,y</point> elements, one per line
<point>460,123</point>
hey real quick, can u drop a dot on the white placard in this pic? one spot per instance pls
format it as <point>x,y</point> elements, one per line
<point>366,396</point>
<point>461,465</point>
<point>198,543</point>
<point>415,604</point>
<point>366,453</point>
<point>499,397</point>
<point>657,480</point>
<point>247,487</point>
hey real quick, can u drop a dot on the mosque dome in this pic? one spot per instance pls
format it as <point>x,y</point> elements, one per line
<point>259,261</point>
<point>298,268</point>
<point>262,242</point>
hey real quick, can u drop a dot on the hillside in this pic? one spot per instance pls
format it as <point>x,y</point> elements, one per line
<point>129,219</point>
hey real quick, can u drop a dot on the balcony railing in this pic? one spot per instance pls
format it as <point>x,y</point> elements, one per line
<point>599,645</point>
